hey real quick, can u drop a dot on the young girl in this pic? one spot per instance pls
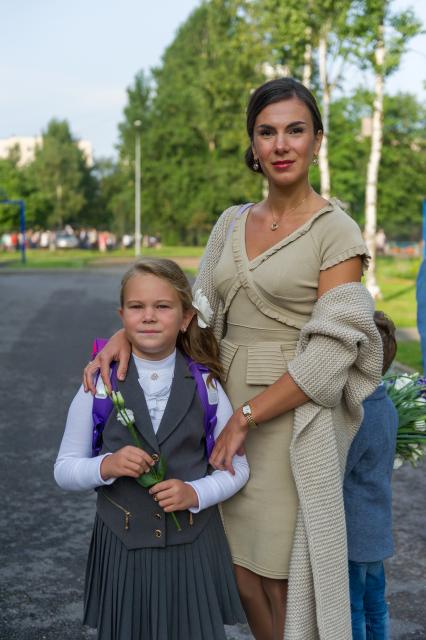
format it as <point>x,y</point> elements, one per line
<point>145,578</point>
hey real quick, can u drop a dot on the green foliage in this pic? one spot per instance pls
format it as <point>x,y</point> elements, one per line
<point>402,175</point>
<point>192,113</point>
<point>12,187</point>
<point>58,177</point>
<point>192,151</point>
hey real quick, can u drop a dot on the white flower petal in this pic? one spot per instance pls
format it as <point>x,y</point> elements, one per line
<point>398,462</point>
<point>402,381</point>
<point>204,310</point>
<point>420,425</point>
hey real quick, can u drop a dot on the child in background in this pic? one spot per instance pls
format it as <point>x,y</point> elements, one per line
<point>368,502</point>
<point>145,579</point>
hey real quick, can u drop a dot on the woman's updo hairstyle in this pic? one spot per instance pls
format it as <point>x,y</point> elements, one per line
<point>275,91</point>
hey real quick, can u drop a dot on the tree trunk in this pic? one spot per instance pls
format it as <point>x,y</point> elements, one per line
<point>307,59</point>
<point>325,86</point>
<point>373,168</point>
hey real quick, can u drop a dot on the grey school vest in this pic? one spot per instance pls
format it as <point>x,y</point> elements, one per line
<point>126,507</point>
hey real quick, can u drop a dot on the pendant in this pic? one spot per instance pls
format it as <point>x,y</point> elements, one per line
<point>154,376</point>
<point>274,226</point>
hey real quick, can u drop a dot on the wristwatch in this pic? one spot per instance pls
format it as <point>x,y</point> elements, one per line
<point>247,413</point>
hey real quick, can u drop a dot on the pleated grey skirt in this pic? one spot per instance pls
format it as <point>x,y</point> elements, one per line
<point>180,592</point>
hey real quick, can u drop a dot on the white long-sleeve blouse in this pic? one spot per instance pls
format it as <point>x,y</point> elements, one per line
<point>76,470</point>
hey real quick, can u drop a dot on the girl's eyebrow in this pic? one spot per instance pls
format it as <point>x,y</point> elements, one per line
<point>155,301</point>
<point>291,124</point>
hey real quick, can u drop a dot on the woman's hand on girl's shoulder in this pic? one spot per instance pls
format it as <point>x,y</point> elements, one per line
<point>174,495</point>
<point>128,461</point>
<point>117,349</point>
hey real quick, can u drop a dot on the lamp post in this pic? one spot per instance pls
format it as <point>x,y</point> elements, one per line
<point>137,124</point>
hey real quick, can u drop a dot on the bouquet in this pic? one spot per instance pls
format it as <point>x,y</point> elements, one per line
<point>408,393</point>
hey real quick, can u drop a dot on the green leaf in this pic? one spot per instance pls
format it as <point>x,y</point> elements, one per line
<point>161,468</point>
<point>147,480</point>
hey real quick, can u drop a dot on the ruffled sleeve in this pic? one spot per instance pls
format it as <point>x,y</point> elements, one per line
<point>338,237</point>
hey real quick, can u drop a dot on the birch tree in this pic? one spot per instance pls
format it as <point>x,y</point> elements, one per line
<point>381,47</point>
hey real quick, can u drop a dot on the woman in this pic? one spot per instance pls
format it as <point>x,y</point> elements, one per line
<point>300,351</point>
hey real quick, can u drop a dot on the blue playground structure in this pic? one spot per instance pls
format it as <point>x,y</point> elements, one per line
<point>21,205</point>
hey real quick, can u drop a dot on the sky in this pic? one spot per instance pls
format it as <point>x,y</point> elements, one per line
<point>74,60</point>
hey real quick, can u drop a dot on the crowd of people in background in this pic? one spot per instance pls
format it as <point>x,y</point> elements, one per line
<point>69,238</point>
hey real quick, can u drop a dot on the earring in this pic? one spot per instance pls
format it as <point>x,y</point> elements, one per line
<point>183,329</point>
<point>315,160</point>
<point>256,164</point>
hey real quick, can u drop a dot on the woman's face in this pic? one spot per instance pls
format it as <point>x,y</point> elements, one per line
<point>284,141</point>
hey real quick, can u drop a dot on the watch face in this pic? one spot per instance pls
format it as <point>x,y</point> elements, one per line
<point>246,410</point>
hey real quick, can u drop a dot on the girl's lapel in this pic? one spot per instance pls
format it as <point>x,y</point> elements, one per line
<point>180,399</point>
<point>134,399</point>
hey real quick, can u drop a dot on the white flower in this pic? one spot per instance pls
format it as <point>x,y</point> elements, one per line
<point>420,425</point>
<point>130,416</point>
<point>402,381</point>
<point>204,310</point>
<point>398,462</point>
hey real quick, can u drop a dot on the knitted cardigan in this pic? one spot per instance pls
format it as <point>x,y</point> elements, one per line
<point>337,364</point>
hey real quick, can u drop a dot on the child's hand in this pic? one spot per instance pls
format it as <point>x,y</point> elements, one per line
<point>174,495</point>
<point>129,461</point>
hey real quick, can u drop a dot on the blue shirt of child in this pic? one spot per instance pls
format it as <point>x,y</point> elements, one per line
<point>367,485</point>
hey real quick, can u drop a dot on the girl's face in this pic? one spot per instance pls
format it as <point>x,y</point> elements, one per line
<point>152,316</point>
<point>284,141</point>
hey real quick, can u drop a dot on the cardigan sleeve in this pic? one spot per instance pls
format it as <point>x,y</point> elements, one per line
<point>340,336</point>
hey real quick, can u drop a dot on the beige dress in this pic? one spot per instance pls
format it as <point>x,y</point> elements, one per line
<point>267,301</point>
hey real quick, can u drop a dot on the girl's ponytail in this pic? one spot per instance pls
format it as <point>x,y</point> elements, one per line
<point>201,345</point>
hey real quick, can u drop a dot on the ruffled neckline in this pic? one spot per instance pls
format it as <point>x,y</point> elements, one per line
<point>300,231</point>
<point>156,376</point>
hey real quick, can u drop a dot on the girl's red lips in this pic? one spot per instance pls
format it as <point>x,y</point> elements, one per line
<point>282,163</point>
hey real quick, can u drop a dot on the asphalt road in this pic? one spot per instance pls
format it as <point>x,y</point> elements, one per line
<point>47,323</point>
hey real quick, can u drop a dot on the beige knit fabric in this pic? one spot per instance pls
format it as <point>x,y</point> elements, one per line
<point>338,363</point>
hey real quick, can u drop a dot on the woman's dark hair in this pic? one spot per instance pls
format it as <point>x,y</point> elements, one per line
<point>275,91</point>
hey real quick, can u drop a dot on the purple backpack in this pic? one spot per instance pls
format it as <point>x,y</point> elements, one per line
<point>102,407</point>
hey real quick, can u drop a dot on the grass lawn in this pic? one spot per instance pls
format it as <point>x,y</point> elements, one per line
<point>397,281</point>
<point>80,258</point>
<point>410,355</point>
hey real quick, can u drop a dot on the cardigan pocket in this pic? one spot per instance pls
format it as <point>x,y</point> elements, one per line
<point>266,362</point>
<point>227,352</point>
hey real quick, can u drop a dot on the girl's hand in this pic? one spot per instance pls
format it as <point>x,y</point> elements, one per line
<point>230,441</point>
<point>174,495</point>
<point>128,461</point>
<point>118,349</point>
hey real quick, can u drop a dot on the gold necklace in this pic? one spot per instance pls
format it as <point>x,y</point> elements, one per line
<point>275,225</point>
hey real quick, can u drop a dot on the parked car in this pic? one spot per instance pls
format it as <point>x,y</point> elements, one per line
<point>66,240</point>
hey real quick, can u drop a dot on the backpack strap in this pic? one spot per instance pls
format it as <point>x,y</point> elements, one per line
<point>208,399</point>
<point>102,406</point>
<point>236,217</point>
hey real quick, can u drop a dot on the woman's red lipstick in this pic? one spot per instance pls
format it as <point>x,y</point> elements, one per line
<point>282,164</point>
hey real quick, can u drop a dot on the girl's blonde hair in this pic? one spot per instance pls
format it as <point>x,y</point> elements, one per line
<point>199,344</point>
